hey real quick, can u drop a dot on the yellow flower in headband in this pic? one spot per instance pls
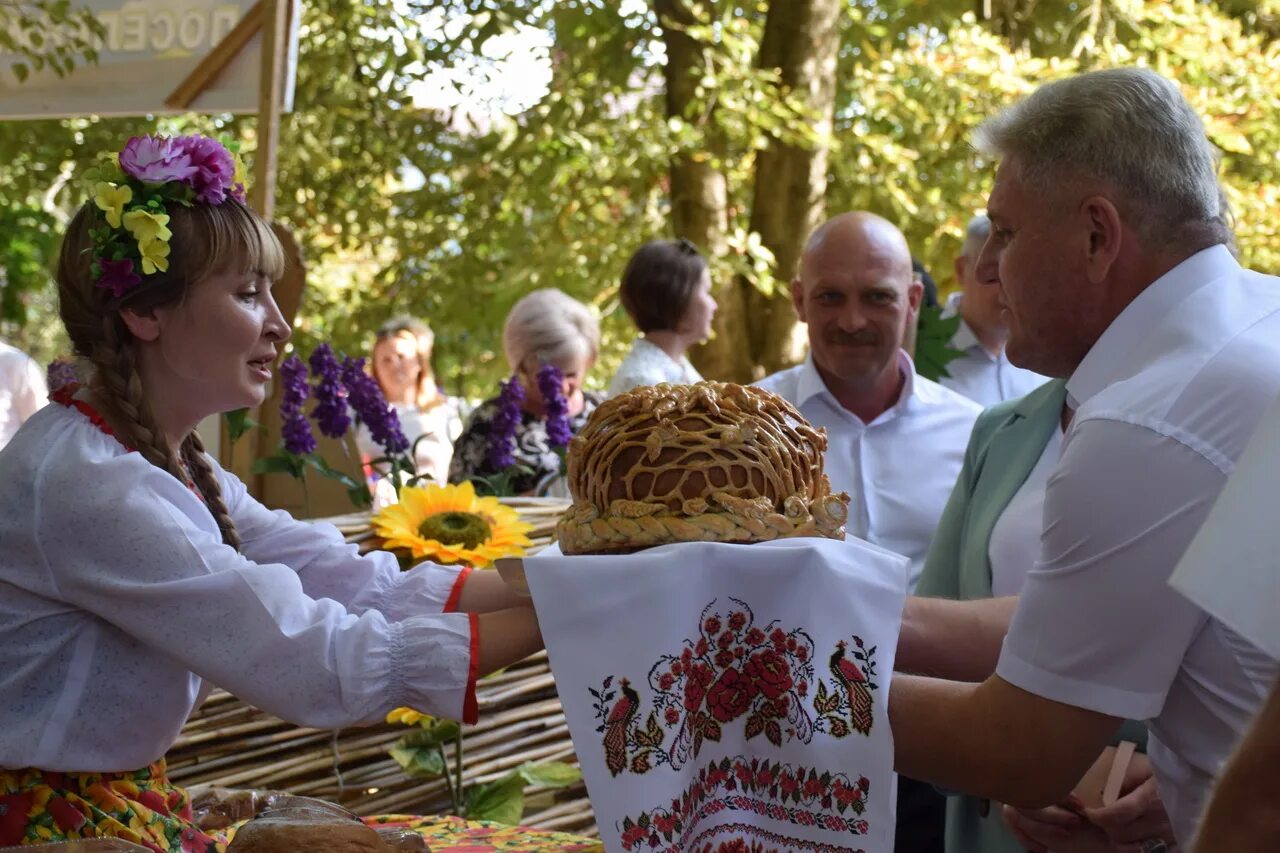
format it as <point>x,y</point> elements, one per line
<point>111,200</point>
<point>155,256</point>
<point>146,226</point>
<point>241,174</point>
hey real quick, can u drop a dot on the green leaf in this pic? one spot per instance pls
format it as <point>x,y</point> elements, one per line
<point>419,761</point>
<point>238,423</point>
<point>933,343</point>
<point>501,801</point>
<point>283,462</point>
<point>550,774</point>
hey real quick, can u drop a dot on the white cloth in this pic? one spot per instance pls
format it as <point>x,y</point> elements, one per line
<point>118,598</point>
<point>899,469</point>
<point>22,390</point>
<point>724,722</point>
<point>431,432</point>
<point>1232,568</point>
<point>648,364</point>
<point>1015,537</point>
<point>1165,401</point>
<point>982,377</point>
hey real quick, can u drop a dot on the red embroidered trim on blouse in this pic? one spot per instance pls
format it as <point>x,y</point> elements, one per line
<point>66,396</point>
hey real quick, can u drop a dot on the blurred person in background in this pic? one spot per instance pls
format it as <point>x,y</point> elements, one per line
<point>666,290</point>
<point>431,420</point>
<point>982,372</point>
<point>22,390</point>
<point>521,432</point>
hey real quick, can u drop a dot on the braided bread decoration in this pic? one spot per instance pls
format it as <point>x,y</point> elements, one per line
<point>710,462</point>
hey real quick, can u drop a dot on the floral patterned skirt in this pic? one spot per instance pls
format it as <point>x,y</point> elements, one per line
<point>38,806</point>
<point>144,807</point>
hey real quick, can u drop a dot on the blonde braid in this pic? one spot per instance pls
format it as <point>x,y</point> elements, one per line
<point>120,388</point>
<point>206,481</point>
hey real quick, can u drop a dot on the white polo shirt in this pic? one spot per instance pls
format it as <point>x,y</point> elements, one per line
<point>900,468</point>
<point>1165,402</point>
<point>982,377</point>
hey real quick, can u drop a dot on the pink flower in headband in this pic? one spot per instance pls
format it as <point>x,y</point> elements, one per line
<point>157,159</point>
<point>214,168</point>
<point>117,276</point>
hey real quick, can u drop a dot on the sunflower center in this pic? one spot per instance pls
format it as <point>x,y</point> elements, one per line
<point>456,528</point>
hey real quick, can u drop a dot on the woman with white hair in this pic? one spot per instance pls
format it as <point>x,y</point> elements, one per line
<point>551,341</point>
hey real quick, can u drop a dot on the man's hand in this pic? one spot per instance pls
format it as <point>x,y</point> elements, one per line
<point>1054,830</point>
<point>1138,815</point>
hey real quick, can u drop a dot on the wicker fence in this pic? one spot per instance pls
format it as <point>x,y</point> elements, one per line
<point>231,744</point>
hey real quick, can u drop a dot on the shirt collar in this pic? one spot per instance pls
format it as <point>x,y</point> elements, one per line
<point>1101,365</point>
<point>810,383</point>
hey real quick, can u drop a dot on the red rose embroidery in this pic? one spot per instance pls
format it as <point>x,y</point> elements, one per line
<point>771,673</point>
<point>730,696</point>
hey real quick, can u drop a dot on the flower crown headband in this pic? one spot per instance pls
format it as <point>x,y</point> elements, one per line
<point>133,190</point>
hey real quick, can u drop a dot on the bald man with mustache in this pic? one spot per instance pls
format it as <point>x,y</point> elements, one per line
<point>895,440</point>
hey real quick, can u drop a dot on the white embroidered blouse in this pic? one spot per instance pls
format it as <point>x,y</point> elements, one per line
<point>648,364</point>
<point>120,606</point>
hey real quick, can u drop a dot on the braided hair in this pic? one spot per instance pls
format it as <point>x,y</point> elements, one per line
<point>207,240</point>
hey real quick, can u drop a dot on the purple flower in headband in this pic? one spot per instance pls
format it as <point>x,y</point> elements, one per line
<point>331,413</point>
<point>214,168</point>
<point>551,386</point>
<point>117,276</point>
<point>59,374</point>
<point>157,159</point>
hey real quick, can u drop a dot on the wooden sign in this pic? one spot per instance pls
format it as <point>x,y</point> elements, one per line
<point>157,57</point>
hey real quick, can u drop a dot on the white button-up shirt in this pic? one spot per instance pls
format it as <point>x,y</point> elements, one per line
<point>900,468</point>
<point>982,377</point>
<point>1165,402</point>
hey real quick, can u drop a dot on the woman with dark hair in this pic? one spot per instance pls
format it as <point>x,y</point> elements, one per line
<point>666,290</point>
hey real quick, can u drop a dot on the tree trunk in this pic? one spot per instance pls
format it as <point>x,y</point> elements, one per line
<point>699,192</point>
<point>801,39</point>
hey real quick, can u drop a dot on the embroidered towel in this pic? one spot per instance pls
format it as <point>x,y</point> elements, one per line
<point>729,697</point>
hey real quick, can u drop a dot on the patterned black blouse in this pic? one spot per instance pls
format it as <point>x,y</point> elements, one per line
<point>533,449</point>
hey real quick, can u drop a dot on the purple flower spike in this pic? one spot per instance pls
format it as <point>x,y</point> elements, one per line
<point>372,407</point>
<point>117,276</point>
<point>331,413</point>
<point>296,429</point>
<point>551,386</point>
<point>502,433</point>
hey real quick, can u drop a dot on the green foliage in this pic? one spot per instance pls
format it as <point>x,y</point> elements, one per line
<point>452,217</point>
<point>49,34</point>
<point>933,343</point>
<point>421,753</point>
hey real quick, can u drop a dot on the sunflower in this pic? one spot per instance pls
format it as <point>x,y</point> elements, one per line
<point>449,524</point>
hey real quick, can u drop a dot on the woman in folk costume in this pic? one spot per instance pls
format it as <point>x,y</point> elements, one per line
<point>135,573</point>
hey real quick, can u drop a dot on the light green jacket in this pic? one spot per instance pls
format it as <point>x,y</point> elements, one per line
<point>1006,443</point>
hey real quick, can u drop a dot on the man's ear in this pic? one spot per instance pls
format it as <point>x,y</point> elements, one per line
<point>915,293</point>
<point>797,298</point>
<point>1105,232</point>
<point>143,325</point>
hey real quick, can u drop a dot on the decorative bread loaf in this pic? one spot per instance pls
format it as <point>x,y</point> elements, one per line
<point>710,462</point>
